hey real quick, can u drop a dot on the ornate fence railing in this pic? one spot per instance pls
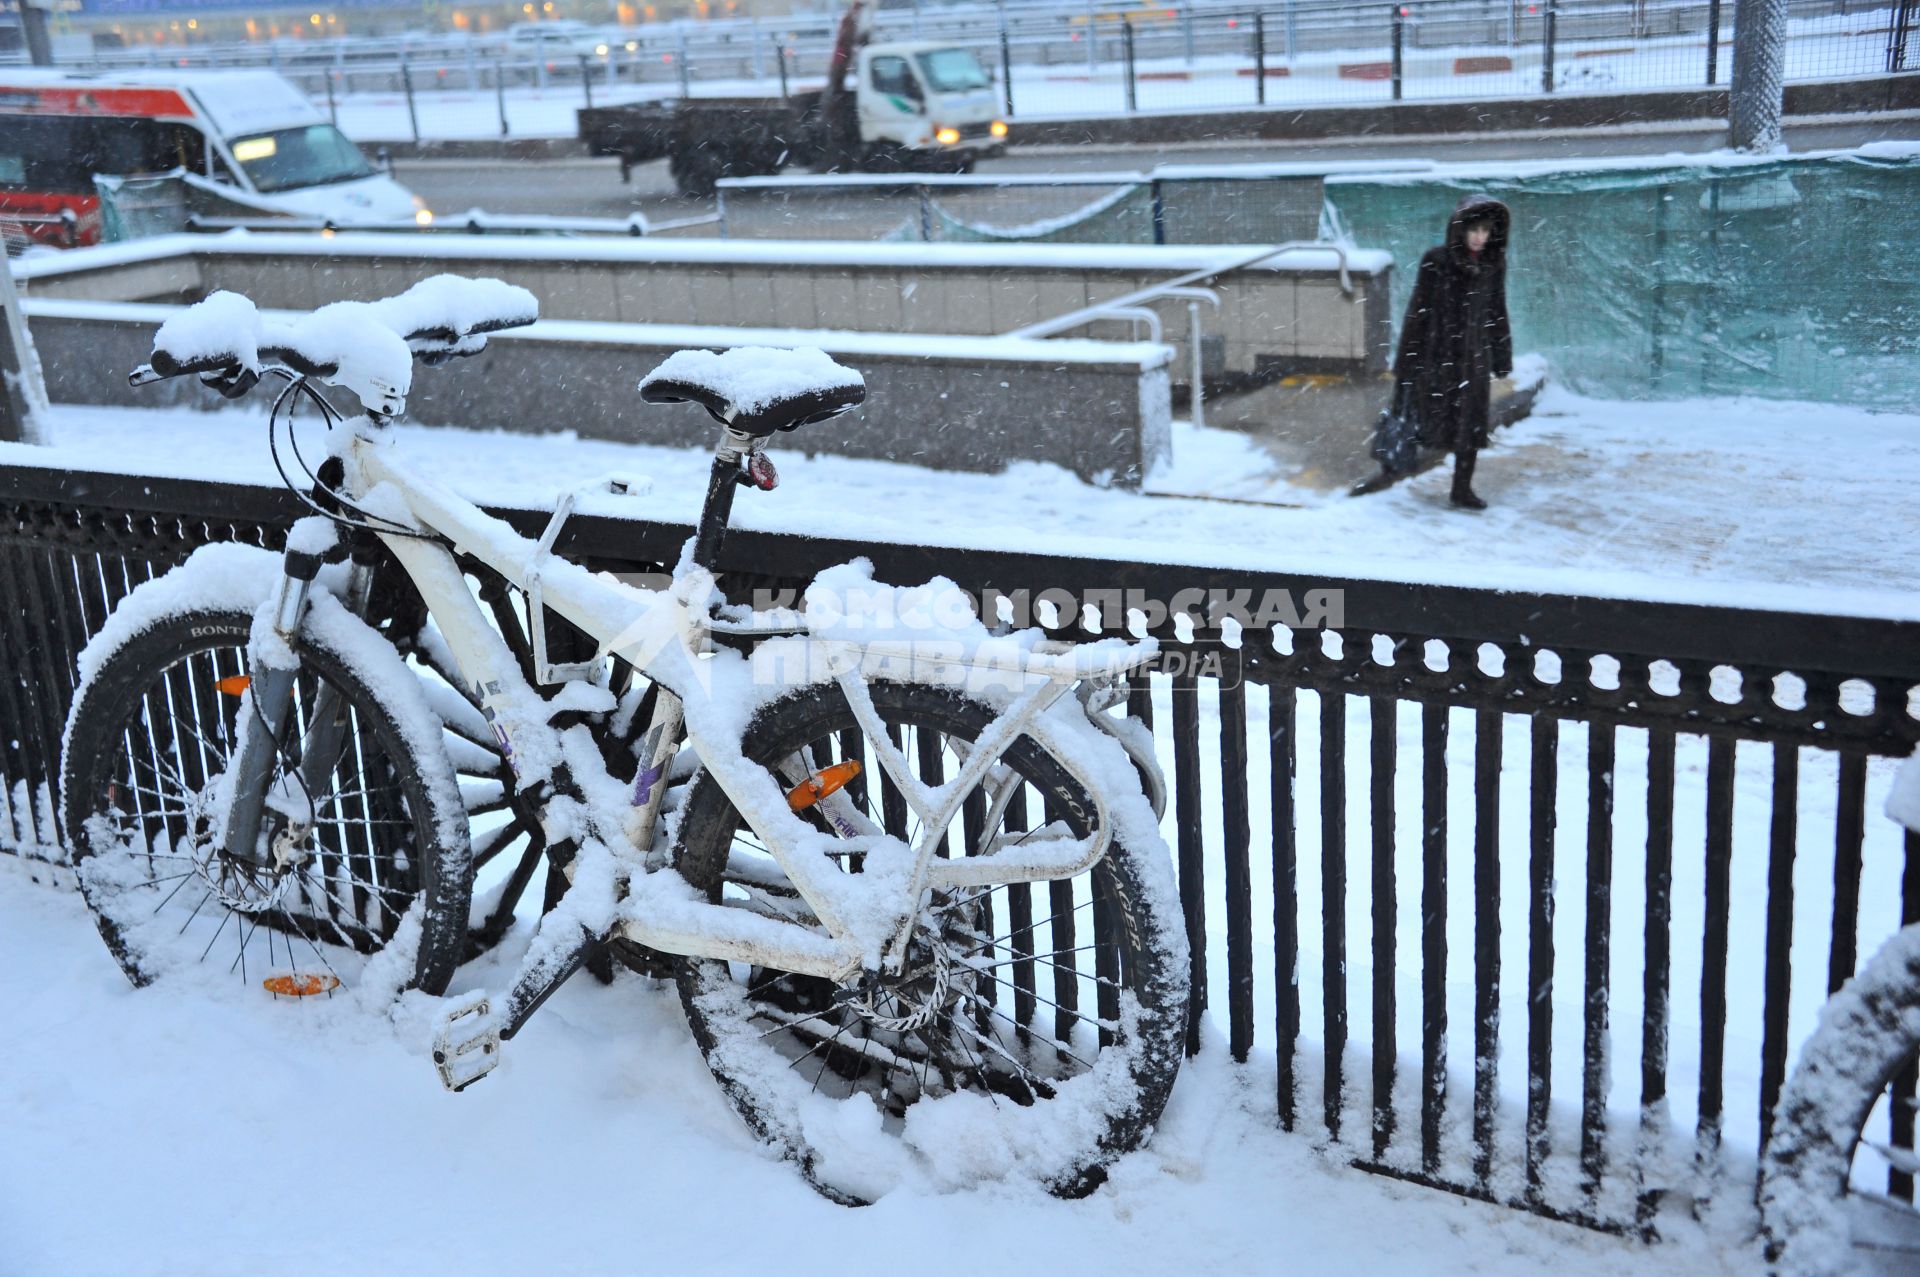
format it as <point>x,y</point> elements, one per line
<point>1521,895</point>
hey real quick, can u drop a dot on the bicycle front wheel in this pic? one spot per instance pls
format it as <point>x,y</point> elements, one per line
<point>147,746</point>
<point>1036,1028</point>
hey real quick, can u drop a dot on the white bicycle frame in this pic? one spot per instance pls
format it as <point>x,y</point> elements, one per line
<point>628,622</point>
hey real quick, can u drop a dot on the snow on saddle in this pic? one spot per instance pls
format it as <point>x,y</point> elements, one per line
<point>757,390</point>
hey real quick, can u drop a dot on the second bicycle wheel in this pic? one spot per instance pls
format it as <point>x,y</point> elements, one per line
<point>1036,1029</point>
<point>1839,1175</point>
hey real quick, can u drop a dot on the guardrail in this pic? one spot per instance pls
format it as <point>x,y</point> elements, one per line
<point>1524,896</point>
<point>633,226</point>
<point>1055,60</point>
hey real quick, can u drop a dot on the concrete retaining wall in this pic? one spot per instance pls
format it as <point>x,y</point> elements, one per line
<point>1291,311</point>
<point>1099,409</point>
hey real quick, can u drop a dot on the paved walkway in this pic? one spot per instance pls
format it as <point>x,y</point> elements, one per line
<point>1316,433</point>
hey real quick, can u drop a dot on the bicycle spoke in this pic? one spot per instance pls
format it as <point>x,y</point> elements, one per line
<point>1111,1027</point>
<point>240,959</point>
<point>1033,957</point>
<point>1024,1075</point>
<point>978,1001</point>
<point>184,878</point>
<point>195,914</point>
<point>816,1046</point>
<point>827,1058</point>
<point>1032,925</point>
<point>979,1069</point>
<point>216,934</point>
<point>792,1024</point>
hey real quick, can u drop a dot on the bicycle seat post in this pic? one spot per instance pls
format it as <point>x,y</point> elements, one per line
<point>722,481</point>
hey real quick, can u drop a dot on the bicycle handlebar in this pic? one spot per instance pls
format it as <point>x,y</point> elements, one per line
<point>363,346</point>
<point>431,346</point>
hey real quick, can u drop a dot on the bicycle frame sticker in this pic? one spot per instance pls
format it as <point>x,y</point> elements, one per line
<point>650,772</point>
<point>489,693</point>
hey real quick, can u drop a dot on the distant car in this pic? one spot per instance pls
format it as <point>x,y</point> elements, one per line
<point>616,39</point>
<point>559,38</point>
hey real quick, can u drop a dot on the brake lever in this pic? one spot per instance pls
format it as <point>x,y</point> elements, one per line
<point>144,375</point>
<point>231,383</point>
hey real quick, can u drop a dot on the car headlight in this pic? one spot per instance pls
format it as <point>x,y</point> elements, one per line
<point>998,128</point>
<point>423,217</point>
<point>600,49</point>
<point>946,137</point>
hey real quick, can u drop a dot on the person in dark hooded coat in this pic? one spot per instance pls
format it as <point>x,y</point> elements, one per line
<point>1456,339</point>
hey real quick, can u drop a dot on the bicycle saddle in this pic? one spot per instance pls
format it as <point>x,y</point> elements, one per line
<point>755,389</point>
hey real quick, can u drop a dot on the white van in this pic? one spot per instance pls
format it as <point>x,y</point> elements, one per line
<point>248,132</point>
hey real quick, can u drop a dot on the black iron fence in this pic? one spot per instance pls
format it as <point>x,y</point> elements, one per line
<point>1525,896</point>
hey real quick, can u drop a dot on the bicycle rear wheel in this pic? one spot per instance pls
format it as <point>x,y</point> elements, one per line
<point>1037,1028</point>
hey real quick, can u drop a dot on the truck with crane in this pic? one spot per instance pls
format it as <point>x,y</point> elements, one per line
<point>913,106</point>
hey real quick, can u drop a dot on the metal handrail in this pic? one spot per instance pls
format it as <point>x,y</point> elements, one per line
<point>1074,319</point>
<point>1196,406</point>
<point>471,223</point>
<point>1139,314</point>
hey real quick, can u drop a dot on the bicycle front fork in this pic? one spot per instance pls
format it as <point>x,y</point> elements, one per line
<point>266,726</point>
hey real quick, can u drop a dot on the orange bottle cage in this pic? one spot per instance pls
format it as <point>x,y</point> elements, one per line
<point>234,685</point>
<point>830,780</point>
<point>300,986</point>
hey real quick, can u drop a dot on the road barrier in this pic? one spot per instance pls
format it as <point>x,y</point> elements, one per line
<point>1060,61</point>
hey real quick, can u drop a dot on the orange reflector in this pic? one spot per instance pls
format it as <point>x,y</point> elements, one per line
<point>234,685</point>
<point>300,986</point>
<point>817,786</point>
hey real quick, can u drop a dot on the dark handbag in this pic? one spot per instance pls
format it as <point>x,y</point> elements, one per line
<point>1396,438</point>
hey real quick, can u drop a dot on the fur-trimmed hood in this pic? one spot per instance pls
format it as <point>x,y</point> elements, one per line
<point>1478,208</point>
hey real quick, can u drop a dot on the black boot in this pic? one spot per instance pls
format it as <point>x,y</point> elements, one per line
<point>1463,494</point>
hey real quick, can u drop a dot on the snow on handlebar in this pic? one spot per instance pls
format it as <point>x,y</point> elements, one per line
<point>365,347</point>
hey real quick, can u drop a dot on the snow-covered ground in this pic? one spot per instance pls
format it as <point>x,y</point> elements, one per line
<point>242,1135</point>
<point>187,1129</point>
<point>1747,502</point>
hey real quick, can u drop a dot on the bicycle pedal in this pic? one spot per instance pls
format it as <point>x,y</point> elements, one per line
<point>466,1045</point>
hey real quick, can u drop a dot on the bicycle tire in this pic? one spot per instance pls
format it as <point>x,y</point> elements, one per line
<point>1820,1215</point>
<point>1136,981</point>
<point>399,837</point>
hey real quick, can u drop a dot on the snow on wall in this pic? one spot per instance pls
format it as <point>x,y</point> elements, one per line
<point>767,252</point>
<point>1054,352</point>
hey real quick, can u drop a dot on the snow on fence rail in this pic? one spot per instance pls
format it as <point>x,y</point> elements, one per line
<point>1525,896</point>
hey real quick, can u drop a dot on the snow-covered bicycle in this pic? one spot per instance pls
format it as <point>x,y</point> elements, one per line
<point>905,871</point>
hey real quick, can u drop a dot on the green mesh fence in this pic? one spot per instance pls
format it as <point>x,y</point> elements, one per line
<point>1796,278</point>
<point>137,207</point>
